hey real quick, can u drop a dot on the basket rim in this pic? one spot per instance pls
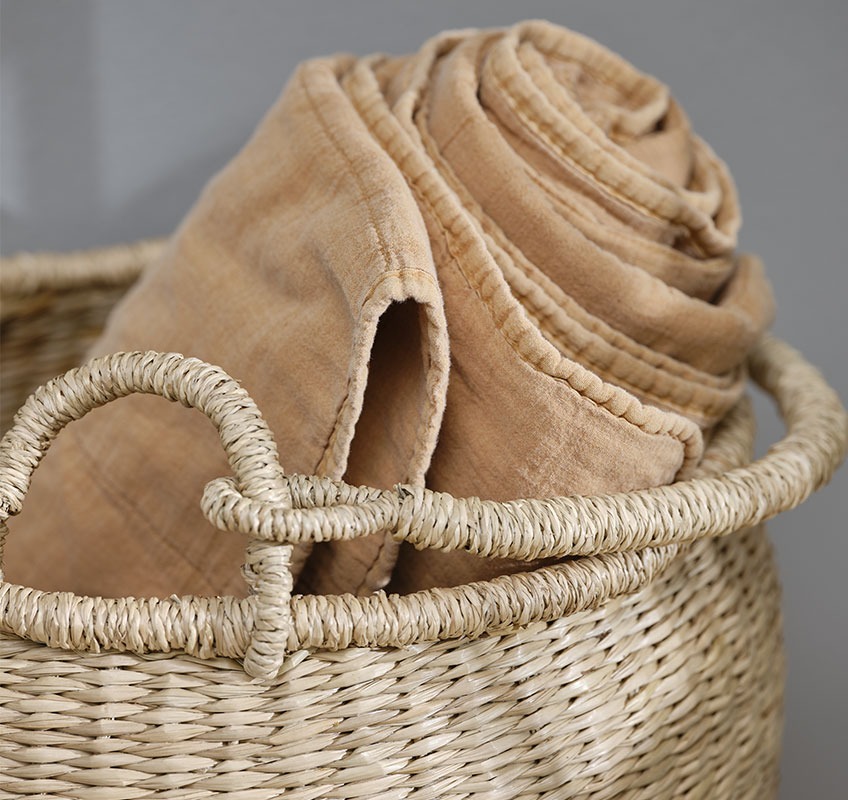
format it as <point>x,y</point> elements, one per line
<point>26,273</point>
<point>622,541</point>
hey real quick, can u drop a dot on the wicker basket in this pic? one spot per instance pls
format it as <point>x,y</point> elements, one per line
<point>646,664</point>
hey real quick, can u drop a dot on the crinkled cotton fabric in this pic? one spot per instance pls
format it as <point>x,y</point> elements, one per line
<point>502,266</point>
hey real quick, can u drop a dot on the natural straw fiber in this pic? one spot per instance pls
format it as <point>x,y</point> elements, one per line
<point>645,664</point>
<point>53,307</point>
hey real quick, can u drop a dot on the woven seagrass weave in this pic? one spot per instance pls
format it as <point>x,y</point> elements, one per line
<point>52,308</point>
<point>646,664</point>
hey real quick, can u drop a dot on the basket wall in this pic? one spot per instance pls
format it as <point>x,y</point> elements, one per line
<point>674,691</point>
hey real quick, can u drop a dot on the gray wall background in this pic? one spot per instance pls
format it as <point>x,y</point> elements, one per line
<point>114,114</point>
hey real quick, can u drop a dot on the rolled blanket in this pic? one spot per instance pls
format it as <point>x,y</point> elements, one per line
<point>503,266</point>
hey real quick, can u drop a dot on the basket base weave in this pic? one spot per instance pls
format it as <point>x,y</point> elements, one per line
<point>672,692</point>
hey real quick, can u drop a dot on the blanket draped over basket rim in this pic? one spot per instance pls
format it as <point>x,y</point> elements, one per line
<point>504,265</point>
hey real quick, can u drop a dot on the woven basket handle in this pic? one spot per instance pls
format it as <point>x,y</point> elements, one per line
<point>252,454</point>
<point>529,529</point>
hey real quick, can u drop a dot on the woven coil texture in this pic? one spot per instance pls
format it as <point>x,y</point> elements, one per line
<point>646,663</point>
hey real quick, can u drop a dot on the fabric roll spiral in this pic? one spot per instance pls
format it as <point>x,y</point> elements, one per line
<point>503,266</point>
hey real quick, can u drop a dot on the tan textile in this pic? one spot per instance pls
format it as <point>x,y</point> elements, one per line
<point>504,263</point>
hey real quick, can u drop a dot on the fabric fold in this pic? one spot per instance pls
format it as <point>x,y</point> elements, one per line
<point>504,265</point>
<point>502,233</point>
<point>282,273</point>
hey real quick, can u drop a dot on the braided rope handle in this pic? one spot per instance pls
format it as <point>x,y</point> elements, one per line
<point>252,455</point>
<point>531,529</point>
<point>628,537</point>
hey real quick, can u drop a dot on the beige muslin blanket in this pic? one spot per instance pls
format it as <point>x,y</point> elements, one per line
<point>503,265</point>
